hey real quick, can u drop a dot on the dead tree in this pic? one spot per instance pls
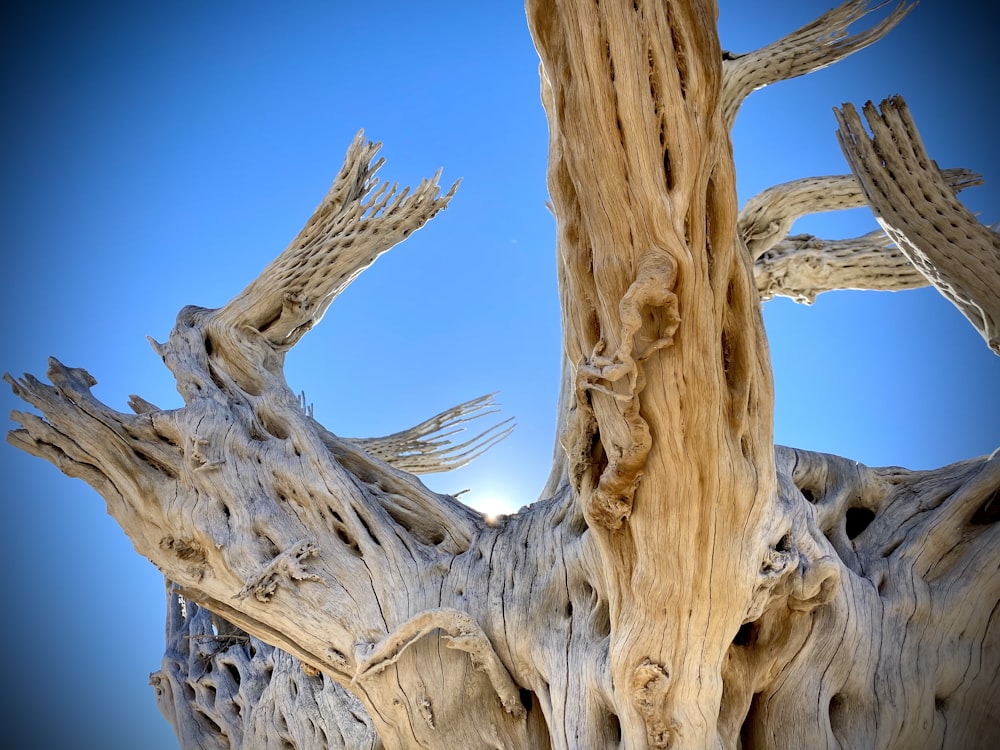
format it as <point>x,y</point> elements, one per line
<point>682,581</point>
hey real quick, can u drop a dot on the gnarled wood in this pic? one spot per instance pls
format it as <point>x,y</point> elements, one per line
<point>657,293</point>
<point>905,654</point>
<point>803,266</point>
<point>220,687</point>
<point>681,582</point>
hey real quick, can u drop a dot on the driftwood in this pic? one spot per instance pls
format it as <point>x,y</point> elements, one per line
<point>682,582</point>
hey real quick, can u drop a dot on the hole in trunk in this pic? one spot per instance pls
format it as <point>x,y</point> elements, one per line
<point>857,520</point>
<point>836,713</point>
<point>614,728</point>
<point>989,511</point>
<point>746,635</point>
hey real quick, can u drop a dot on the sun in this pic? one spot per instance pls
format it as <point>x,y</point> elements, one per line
<point>491,503</point>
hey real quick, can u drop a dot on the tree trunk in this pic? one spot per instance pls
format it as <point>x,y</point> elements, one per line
<point>682,582</point>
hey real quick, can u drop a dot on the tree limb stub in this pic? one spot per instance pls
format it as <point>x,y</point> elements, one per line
<point>919,211</point>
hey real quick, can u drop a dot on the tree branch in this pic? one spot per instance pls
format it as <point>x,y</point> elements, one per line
<point>803,266</point>
<point>810,48</point>
<point>921,214</point>
<point>767,217</point>
<point>359,219</point>
<point>256,511</point>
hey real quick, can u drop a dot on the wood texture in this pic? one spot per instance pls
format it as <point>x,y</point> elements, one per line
<point>914,205</point>
<point>682,582</point>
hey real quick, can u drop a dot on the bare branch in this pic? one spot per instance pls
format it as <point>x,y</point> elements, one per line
<point>921,214</point>
<point>767,217</point>
<point>810,48</point>
<point>359,219</point>
<point>803,266</point>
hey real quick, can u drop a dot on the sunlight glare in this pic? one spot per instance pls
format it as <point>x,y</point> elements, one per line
<point>491,503</point>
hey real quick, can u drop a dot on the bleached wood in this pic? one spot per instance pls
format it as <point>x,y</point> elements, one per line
<point>803,266</point>
<point>767,217</point>
<point>905,654</point>
<point>681,582</point>
<point>220,687</point>
<point>810,48</point>
<point>914,205</point>
<point>658,293</point>
<point>359,219</point>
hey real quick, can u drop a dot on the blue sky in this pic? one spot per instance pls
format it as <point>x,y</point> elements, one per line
<point>160,154</point>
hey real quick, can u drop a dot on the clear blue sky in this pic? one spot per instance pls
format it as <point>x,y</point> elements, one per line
<point>159,154</point>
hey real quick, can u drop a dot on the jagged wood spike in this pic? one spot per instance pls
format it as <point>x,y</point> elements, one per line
<point>432,456</point>
<point>351,228</point>
<point>426,448</point>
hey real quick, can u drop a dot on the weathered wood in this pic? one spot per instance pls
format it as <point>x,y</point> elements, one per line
<point>812,47</point>
<point>803,266</point>
<point>220,687</point>
<point>657,292</point>
<point>916,208</point>
<point>767,217</point>
<point>905,654</point>
<point>681,582</point>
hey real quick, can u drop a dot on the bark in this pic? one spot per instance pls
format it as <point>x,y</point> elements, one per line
<point>681,582</point>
